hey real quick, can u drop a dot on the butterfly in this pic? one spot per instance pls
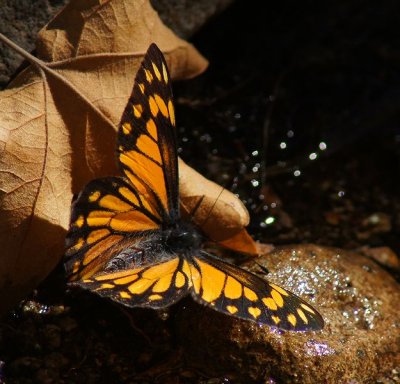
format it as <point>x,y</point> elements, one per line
<point>128,242</point>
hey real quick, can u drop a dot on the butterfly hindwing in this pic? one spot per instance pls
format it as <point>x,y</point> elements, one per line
<point>234,291</point>
<point>147,139</point>
<point>155,285</point>
<point>103,215</point>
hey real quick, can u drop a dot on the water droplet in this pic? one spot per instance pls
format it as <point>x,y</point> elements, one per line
<point>312,156</point>
<point>255,183</point>
<point>269,220</point>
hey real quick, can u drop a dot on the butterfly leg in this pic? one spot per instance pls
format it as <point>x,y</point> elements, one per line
<point>263,270</point>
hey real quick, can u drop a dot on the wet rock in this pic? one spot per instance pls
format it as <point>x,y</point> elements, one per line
<point>52,336</point>
<point>374,224</point>
<point>32,306</point>
<point>360,342</point>
<point>68,324</point>
<point>25,365</point>
<point>47,376</point>
<point>384,256</point>
<point>55,361</point>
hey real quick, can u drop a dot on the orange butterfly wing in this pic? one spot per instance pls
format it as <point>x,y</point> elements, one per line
<point>117,212</point>
<point>155,284</point>
<point>148,158</point>
<point>237,292</point>
<point>105,213</point>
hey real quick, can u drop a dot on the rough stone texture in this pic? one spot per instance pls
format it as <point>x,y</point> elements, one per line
<point>20,20</point>
<point>359,344</point>
<point>186,17</point>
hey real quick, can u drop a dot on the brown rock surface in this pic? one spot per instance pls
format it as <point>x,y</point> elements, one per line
<point>359,344</point>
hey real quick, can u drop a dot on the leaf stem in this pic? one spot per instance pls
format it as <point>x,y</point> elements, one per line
<point>32,59</point>
<point>49,71</point>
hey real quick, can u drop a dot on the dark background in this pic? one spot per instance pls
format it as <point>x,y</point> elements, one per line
<point>302,73</point>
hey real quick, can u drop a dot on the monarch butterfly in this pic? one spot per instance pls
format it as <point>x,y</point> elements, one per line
<point>127,241</point>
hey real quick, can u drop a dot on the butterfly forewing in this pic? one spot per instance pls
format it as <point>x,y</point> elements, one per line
<point>109,210</point>
<point>234,291</point>
<point>147,139</point>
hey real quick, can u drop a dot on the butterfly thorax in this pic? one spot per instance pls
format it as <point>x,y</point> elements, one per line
<point>181,237</point>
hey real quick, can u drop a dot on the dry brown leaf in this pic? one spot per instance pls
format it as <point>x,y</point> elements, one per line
<point>57,128</point>
<point>220,213</point>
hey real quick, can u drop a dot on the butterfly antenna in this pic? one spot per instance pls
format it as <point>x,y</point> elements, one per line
<point>196,207</point>
<point>212,207</point>
<point>266,130</point>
